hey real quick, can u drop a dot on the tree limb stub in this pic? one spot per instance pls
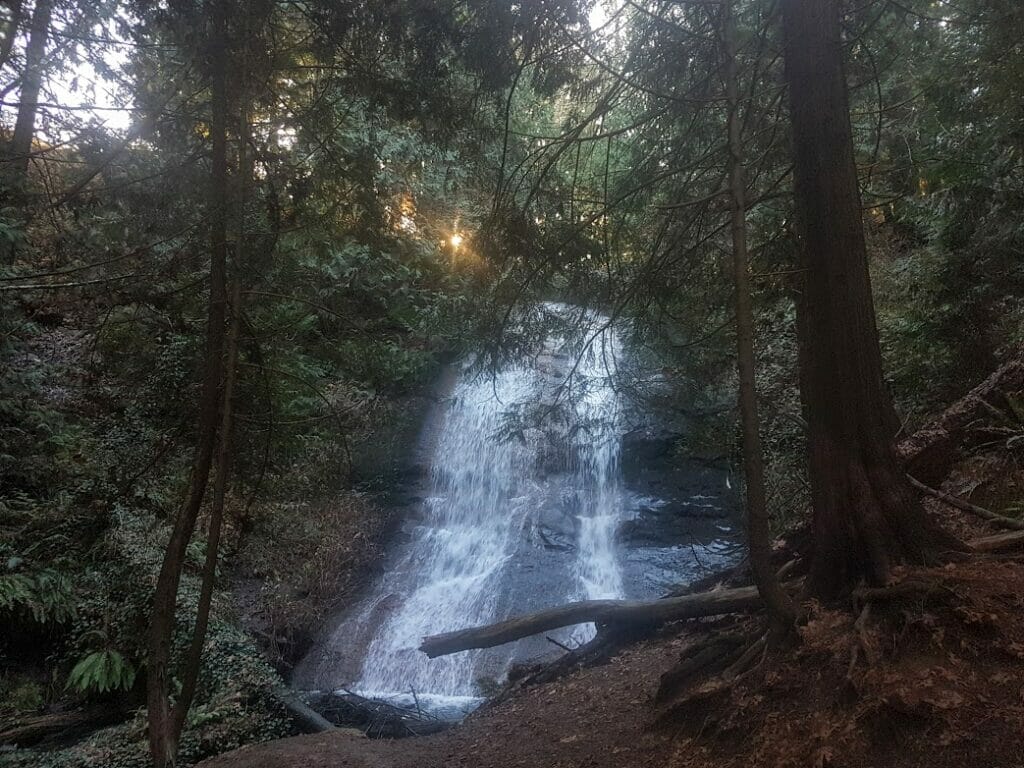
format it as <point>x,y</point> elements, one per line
<point>623,612</point>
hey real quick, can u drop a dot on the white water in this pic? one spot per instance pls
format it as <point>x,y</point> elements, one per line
<point>598,482</point>
<point>485,498</point>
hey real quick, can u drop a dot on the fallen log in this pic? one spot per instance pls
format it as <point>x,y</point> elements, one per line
<point>1000,542</point>
<point>305,717</point>
<point>966,506</point>
<point>614,612</point>
<point>930,452</point>
<point>60,727</point>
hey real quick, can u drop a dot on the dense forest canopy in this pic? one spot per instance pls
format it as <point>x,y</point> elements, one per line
<point>238,240</point>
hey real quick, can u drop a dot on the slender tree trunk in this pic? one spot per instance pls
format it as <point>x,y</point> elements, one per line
<point>163,744</point>
<point>780,607</point>
<point>865,516</point>
<point>190,674</point>
<point>31,84</point>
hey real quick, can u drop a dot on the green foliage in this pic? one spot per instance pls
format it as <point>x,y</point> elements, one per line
<point>102,671</point>
<point>44,594</point>
<point>21,695</point>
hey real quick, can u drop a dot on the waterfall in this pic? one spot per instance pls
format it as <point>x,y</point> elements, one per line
<point>530,502</point>
<point>487,497</point>
<point>451,576</point>
<point>597,481</point>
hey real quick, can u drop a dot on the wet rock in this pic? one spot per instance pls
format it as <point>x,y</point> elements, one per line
<point>558,541</point>
<point>676,523</point>
<point>648,449</point>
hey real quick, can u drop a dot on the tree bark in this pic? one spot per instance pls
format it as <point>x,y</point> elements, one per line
<point>31,84</point>
<point>865,517</point>
<point>999,542</point>
<point>780,607</point>
<point>190,674</point>
<point>162,741</point>
<point>626,612</point>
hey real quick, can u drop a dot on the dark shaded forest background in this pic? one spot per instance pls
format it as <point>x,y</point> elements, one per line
<point>395,186</point>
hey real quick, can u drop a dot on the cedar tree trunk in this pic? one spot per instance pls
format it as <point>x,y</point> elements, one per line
<point>865,516</point>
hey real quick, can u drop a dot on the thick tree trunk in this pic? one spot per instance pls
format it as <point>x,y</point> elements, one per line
<point>780,607</point>
<point>865,516</point>
<point>31,84</point>
<point>162,741</point>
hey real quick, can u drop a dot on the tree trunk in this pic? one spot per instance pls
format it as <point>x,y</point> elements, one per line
<point>780,607</point>
<point>190,674</point>
<point>31,84</point>
<point>163,744</point>
<point>865,517</point>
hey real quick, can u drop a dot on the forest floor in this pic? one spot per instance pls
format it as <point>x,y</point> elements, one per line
<point>929,675</point>
<point>935,680</point>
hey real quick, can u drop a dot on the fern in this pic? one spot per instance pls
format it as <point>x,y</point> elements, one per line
<point>16,589</point>
<point>46,594</point>
<point>102,671</point>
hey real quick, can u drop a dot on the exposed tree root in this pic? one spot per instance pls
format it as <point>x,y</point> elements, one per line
<point>911,587</point>
<point>750,658</point>
<point>709,655</point>
<point>722,660</point>
<point>862,642</point>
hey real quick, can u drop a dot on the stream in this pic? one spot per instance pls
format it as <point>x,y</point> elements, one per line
<point>544,484</point>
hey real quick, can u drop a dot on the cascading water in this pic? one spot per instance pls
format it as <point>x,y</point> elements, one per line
<point>526,499</point>
<point>597,483</point>
<point>452,573</point>
<point>484,495</point>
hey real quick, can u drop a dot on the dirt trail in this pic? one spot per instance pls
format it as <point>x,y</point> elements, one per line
<point>593,718</point>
